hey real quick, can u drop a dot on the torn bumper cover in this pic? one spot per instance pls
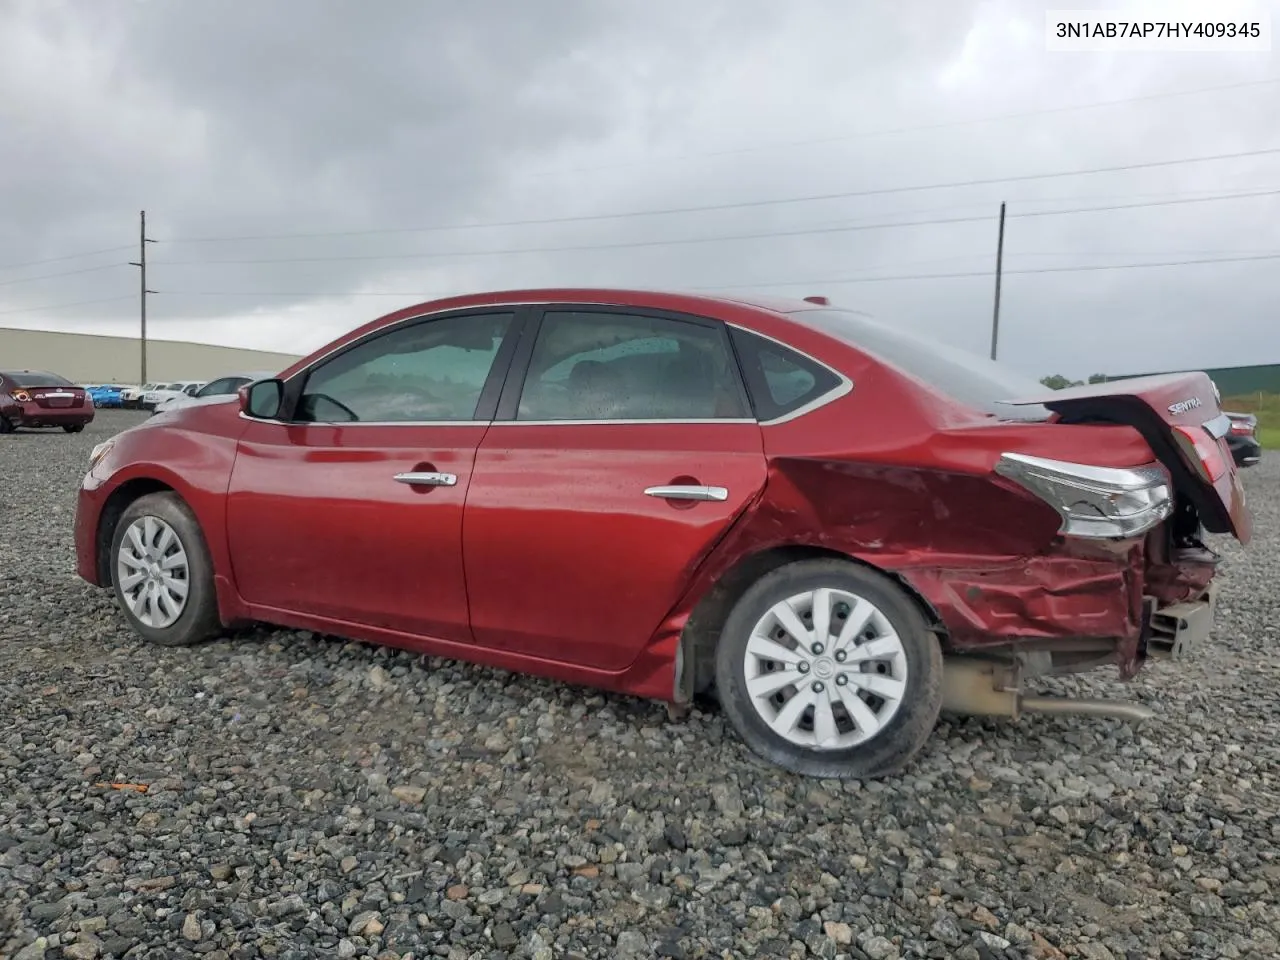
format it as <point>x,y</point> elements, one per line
<point>1033,598</point>
<point>1043,599</point>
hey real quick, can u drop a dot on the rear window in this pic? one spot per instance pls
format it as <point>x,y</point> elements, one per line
<point>973,380</point>
<point>35,378</point>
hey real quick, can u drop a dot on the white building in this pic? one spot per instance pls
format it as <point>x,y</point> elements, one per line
<point>90,358</point>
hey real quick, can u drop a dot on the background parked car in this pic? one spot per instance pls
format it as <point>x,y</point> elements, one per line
<point>131,397</point>
<point>167,391</point>
<point>105,394</point>
<point>1246,448</point>
<point>41,399</point>
<point>213,390</point>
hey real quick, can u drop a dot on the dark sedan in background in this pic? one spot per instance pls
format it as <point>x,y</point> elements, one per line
<point>34,398</point>
<point>1246,449</point>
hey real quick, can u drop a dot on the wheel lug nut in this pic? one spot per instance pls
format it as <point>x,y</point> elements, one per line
<point>817,649</point>
<point>841,656</point>
<point>817,686</point>
<point>803,667</point>
<point>841,680</point>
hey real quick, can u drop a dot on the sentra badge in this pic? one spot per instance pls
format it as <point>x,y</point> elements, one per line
<point>1182,406</point>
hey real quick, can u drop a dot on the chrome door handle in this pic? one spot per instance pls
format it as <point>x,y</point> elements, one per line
<point>690,492</point>
<point>428,479</point>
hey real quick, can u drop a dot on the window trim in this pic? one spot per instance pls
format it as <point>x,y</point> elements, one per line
<point>509,403</point>
<point>295,384</point>
<point>516,352</point>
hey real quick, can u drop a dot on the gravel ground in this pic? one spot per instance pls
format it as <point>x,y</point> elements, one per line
<point>311,798</point>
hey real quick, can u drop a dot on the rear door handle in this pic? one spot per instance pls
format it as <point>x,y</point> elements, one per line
<point>688,492</point>
<point>428,479</point>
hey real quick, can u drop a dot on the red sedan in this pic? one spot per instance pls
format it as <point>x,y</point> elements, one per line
<point>836,527</point>
<point>33,398</point>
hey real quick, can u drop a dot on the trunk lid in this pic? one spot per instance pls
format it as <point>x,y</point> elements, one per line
<point>1179,416</point>
<point>56,397</point>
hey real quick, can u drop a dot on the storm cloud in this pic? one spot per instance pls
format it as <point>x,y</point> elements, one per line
<point>306,167</point>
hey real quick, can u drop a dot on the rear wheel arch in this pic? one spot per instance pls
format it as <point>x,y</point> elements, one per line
<point>701,634</point>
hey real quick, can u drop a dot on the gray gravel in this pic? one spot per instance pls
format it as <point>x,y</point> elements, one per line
<point>311,798</point>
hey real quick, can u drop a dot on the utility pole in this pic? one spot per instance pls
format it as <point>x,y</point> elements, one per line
<point>995,316</point>
<point>141,264</point>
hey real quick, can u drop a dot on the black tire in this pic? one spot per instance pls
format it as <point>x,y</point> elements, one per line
<point>6,425</point>
<point>74,429</point>
<point>199,618</point>
<point>894,746</point>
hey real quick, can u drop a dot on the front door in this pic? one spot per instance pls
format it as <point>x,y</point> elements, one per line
<point>629,455</point>
<point>352,510</point>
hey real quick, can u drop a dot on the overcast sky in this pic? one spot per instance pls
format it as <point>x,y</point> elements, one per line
<point>250,119</point>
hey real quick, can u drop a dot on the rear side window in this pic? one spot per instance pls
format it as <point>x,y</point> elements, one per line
<point>779,380</point>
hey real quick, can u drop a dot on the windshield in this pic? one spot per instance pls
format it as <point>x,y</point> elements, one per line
<point>973,380</point>
<point>36,378</point>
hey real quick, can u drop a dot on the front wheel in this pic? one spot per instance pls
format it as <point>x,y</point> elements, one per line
<point>6,425</point>
<point>829,669</point>
<point>162,573</point>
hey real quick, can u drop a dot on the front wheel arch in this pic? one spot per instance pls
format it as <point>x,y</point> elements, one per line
<point>117,503</point>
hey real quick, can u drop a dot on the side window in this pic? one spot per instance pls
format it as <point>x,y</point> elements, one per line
<point>218,387</point>
<point>433,370</point>
<point>613,366</point>
<point>779,380</point>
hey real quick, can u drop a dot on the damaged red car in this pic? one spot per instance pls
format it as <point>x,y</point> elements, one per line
<point>837,528</point>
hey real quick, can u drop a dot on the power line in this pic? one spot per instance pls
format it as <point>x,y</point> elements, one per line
<point>64,273</point>
<point>723,238</point>
<point>745,204</point>
<point>915,128</point>
<point>63,306</point>
<point>1210,255</point>
<point>988,274</point>
<point>69,256</point>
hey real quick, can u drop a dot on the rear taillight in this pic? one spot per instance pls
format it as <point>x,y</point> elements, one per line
<point>1242,428</point>
<point>21,396</point>
<point>1103,503</point>
<point>1202,452</point>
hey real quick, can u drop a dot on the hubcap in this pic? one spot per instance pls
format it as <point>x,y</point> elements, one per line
<point>825,669</point>
<point>152,571</point>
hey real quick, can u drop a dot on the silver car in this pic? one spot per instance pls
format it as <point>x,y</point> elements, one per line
<point>214,390</point>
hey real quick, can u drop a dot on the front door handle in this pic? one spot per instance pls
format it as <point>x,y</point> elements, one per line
<point>688,492</point>
<point>428,479</point>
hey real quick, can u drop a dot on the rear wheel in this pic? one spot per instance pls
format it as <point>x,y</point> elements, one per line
<point>162,573</point>
<point>76,428</point>
<point>828,669</point>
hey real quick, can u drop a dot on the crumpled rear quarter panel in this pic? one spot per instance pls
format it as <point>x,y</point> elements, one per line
<point>976,551</point>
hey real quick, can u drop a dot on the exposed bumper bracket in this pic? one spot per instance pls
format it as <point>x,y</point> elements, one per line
<point>1176,630</point>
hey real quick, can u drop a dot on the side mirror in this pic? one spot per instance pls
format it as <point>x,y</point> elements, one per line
<point>262,399</point>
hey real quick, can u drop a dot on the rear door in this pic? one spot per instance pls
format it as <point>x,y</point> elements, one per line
<point>1179,416</point>
<point>352,510</point>
<point>616,463</point>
